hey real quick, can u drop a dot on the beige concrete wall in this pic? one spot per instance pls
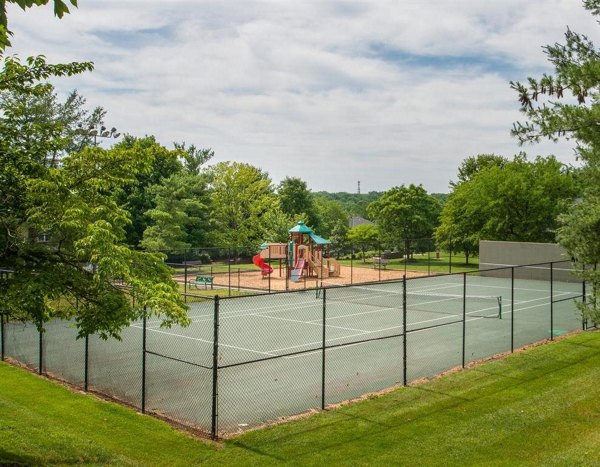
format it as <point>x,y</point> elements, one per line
<point>495,254</point>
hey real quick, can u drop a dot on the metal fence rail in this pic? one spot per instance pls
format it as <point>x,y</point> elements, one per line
<point>248,360</point>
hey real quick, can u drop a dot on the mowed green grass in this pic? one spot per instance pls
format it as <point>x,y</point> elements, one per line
<point>536,407</point>
<point>422,262</point>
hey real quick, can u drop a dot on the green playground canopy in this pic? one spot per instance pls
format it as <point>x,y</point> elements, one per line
<point>301,228</point>
<point>319,240</point>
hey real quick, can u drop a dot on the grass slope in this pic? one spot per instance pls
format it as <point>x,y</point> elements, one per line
<point>538,407</point>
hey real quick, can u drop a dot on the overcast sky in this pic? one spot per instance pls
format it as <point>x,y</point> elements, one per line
<point>385,92</point>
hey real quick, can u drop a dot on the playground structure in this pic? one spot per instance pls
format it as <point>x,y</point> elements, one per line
<point>305,255</point>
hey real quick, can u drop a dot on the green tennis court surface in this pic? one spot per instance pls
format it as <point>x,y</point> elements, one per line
<point>270,347</point>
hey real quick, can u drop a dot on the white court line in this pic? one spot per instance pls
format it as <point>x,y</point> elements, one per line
<point>475,318</point>
<point>361,333</point>
<point>525,289</point>
<point>312,323</point>
<point>254,311</point>
<point>197,339</point>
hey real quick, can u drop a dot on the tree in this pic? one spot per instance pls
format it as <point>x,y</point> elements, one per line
<point>363,235</point>
<point>60,8</point>
<point>73,274</point>
<point>194,158</point>
<point>518,201</point>
<point>355,204</point>
<point>38,115</point>
<point>136,197</point>
<point>242,197</point>
<point>297,201</point>
<point>404,213</point>
<point>551,113</point>
<point>475,164</point>
<point>181,216</point>
<point>331,215</point>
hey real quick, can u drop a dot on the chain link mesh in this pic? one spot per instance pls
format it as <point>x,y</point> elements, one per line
<point>284,353</point>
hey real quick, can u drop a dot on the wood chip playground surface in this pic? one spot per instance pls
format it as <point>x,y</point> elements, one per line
<point>252,280</point>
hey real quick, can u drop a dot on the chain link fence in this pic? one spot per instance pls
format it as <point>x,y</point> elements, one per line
<point>248,360</point>
<point>236,270</point>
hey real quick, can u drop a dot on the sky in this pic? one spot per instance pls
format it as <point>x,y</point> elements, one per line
<point>383,92</point>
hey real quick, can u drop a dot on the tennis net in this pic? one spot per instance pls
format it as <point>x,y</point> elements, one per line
<point>431,302</point>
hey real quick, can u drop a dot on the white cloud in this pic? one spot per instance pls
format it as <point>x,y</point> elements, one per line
<point>333,92</point>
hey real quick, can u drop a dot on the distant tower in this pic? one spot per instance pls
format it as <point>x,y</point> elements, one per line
<point>358,190</point>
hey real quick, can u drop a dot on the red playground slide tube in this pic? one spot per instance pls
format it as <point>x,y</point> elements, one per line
<point>265,269</point>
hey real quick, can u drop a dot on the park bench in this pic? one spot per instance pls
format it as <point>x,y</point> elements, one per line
<point>379,262</point>
<point>199,280</point>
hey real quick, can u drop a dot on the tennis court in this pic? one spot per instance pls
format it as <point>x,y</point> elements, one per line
<point>285,353</point>
<point>270,347</point>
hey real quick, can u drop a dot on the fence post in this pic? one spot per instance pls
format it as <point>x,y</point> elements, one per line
<point>512,309</point>
<point>269,276</point>
<point>229,271</point>
<point>464,318</point>
<point>583,319</point>
<point>239,278</point>
<point>404,332</point>
<point>41,348</point>
<point>215,370</point>
<point>351,263</point>
<point>2,333</point>
<point>428,262</point>
<point>379,254</point>
<point>185,278</point>
<point>551,302</point>
<point>144,363</point>
<point>450,259</point>
<point>406,253</point>
<point>323,349</point>
<point>86,363</point>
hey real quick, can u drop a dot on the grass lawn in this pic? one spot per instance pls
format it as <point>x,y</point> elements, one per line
<point>537,407</point>
<point>423,263</point>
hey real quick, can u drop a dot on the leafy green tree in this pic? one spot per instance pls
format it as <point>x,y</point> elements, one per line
<point>60,8</point>
<point>405,213</point>
<point>331,216</point>
<point>518,201</point>
<point>297,201</point>
<point>276,224</point>
<point>363,235</point>
<point>242,197</point>
<point>181,216</point>
<point>136,196</point>
<point>550,112</point>
<point>73,207</point>
<point>355,204</point>
<point>39,115</point>
<point>194,158</point>
<point>475,164</point>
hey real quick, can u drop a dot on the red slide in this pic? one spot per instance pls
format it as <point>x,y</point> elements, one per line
<point>265,269</point>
